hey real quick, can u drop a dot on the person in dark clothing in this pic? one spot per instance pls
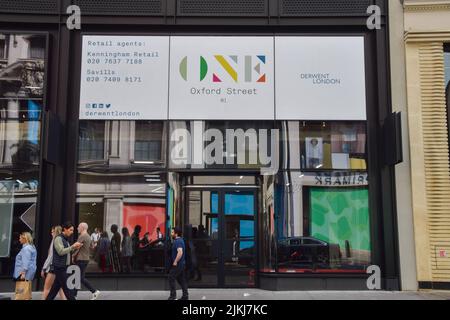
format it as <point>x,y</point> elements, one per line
<point>61,260</point>
<point>115,248</point>
<point>177,269</point>
<point>136,241</point>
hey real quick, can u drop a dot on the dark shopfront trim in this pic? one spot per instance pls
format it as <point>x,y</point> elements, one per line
<point>58,180</point>
<point>432,285</point>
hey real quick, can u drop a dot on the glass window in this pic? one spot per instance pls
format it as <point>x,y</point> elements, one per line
<point>320,201</point>
<point>318,145</point>
<point>222,144</point>
<point>122,200</point>
<point>21,106</point>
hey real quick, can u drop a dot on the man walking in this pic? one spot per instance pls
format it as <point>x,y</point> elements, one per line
<point>61,260</point>
<point>81,258</point>
<point>176,271</point>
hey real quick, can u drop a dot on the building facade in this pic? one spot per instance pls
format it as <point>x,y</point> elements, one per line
<point>425,31</point>
<point>264,129</point>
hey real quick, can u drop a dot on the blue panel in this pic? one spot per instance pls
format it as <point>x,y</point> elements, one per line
<point>214,229</point>
<point>240,204</point>
<point>247,228</point>
<point>246,245</point>
<point>33,124</point>
<point>214,202</point>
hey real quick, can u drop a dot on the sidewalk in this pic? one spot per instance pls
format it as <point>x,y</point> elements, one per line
<point>256,294</point>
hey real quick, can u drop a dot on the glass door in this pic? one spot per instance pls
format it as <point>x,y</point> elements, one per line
<point>220,231</point>
<point>239,246</point>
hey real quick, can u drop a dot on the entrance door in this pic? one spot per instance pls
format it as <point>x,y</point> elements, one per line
<point>220,226</point>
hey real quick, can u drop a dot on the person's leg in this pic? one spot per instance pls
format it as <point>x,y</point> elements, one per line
<point>67,292</point>
<point>103,262</point>
<point>83,265</point>
<point>172,278</point>
<point>181,278</point>
<point>56,285</point>
<point>49,279</point>
<point>61,295</point>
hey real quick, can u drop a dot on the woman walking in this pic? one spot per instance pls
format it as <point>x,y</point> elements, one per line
<point>25,267</point>
<point>47,270</point>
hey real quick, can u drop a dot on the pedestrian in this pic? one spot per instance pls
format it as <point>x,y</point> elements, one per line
<point>95,236</point>
<point>127,250</point>
<point>136,241</point>
<point>81,258</point>
<point>25,267</point>
<point>47,270</point>
<point>61,260</point>
<point>177,269</point>
<point>103,250</point>
<point>116,240</point>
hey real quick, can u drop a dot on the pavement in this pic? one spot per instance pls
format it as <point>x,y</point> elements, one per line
<point>257,294</point>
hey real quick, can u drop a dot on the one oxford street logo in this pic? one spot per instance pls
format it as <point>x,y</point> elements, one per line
<point>221,66</point>
<point>199,148</point>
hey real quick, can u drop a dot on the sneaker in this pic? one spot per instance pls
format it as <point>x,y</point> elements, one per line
<point>172,298</point>
<point>184,298</point>
<point>95,295</point>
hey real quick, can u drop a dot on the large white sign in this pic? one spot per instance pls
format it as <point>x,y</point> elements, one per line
<point>320,78</point>
<point>221,78</point>
<point>124,77</point>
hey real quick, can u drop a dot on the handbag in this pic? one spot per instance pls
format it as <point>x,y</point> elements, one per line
<point>23,290</point>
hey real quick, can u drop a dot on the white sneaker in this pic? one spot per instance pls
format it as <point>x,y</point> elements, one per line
<point>95,295</point>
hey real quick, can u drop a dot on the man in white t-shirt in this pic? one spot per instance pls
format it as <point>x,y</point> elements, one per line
<point>95,237</point>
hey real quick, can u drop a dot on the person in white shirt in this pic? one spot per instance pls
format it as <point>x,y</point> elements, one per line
<point>95,237</point>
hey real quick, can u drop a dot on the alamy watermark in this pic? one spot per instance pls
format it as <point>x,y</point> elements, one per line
<point>198,147</point>
<point>74,20</point>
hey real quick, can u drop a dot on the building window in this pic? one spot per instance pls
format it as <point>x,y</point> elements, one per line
<point>21,106</point>
<point>91,145</point>
<point>149,136</point>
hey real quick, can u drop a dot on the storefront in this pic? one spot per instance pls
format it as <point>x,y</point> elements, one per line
<point>267,137</point>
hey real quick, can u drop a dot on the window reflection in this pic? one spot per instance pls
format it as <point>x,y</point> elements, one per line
<point>319,145</point>
<point>315,214</point>
<point>22,70</point>
<point>122,198</point>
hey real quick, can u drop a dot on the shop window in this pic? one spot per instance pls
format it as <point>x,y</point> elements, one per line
<point>122,194</point>
<point>223,144</point>
<point>316,216</point>
<point>21,105</point>
<point>320,145</point>
<point>127,214</point>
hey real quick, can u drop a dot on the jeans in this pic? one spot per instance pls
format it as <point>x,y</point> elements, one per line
<point>83,265</point>
<point>177,273</point>
<point>60,282</point>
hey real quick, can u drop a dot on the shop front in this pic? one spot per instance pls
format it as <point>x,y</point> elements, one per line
<point>267,144</point>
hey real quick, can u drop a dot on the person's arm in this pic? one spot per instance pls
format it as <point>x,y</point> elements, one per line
<point>59,247</point>
<point>49,259</point>
<point>178,257</point>
<point>26,257</point>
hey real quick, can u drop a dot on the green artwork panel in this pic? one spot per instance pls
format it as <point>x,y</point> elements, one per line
<point>340,215</point>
